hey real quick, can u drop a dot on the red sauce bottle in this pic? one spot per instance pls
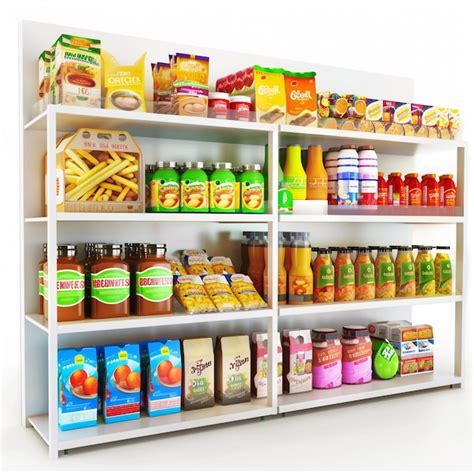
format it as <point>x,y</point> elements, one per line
<point>413,189</point>
<point>430,191</point>
<point>110,283</point>
<point>382,191</point>
<point>70,285</point>
<point>396,190</point>
<point>41,278</point>
<point>154,281</point>
<point>447,191</point>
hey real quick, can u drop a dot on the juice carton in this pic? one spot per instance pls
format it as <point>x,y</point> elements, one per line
<point>301,99</point>
<point>122,380</point>
<point>374,110</point>
<point>163,377</point>
<point>198,368</point>
<point>260,365</point>
<point>424,115</point>
<point>297,360</point>
<point>232,369</point>
<point>77,388</point>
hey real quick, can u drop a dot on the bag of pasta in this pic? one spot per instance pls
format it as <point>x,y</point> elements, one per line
<point>197,262</point>
<point>245,292</point>
<point>189,291</point>
<point>176,266</point>
<point>221,295</point>
<point>222,265</point>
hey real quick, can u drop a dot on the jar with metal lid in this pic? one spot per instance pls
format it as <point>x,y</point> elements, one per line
<point>356,355</point>
<point>443,271</point>
<point>384,274</point>
<point>405,272</point>
<point>153,281</point>
<point>252,189</point>
<point>110,283</point>
<point>165,188</point>
<point>70,285</point>
<point>89,256</point>
<point>41,278</point>
<point>149,171</point>
<point>327,358</point>
<point>364,275</point>
<point>194,188</point>
<point>425,271</point>
<point>222,188</point>
<point>238,170</point>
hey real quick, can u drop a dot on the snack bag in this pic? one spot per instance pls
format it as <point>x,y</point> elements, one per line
<point>221,295</point>
<point>270,99</point>
<point>176,266</point>
<point>197,262</point>
<point>222,265</point>
<point>301,100</point>
<point>124,84</point>
<point>189,68</point>
<point>189,291</point>
<point>245,292</point>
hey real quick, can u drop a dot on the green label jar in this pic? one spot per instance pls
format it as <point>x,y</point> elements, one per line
<point>252,189</point>
<point>194,188</point>
<point>149,172</point>
<point>110,286</point>
<point>164,188</point>
<point>222,188</point>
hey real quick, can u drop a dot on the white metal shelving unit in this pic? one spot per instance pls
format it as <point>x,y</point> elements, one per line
<point>188,138</point>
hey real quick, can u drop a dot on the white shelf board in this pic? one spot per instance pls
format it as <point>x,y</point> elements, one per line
<point>384,144</point>
<point>353,393</point>
<point>341,218</point>
<point>148,426</point>
<point>344,306</point>
<point>144,124</point>
<point>153,217</point>
<point>136,322</point>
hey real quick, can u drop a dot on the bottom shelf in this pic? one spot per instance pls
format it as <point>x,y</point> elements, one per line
<point>147,426</point>
<point>352,393</point>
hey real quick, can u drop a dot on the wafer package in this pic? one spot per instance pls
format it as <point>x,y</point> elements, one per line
<point>189,291</point>
<point>219,292</point>
<point>245,292</point>
<point>222,265</point>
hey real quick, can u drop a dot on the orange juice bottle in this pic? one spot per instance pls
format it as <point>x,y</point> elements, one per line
<point>282,275</point>
<point>300,279</point>
<point>295,175</point>
<point>316,175</point>
<point>256,247</point>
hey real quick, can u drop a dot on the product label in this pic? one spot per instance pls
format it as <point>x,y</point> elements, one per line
<point>317,185</point>
<point>300,289</point>
<point>325,276</point>
<point>41,283</point>
<point>252,197</point>
<point>446,273</point>
<point>110,286</point>
<point>194,195</point>
<point>386,273</point>
<point>347,191</point>
<point>407,273</point>
<point>366,274</point>
<point>285,201</point>
<point>447,197</point>
<point>168,195</point>
<point>70,287</point>
<point>223,195</point>
<point>414,196</point>
<point>155,284</point>
<point>346,275</point>
<point>295,183</point>
<point>426,273</point>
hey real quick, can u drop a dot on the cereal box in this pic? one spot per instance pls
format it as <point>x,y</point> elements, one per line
<point>424,115</point>
<point>301,99</point>
<point>297,360</point>
<point>44,76</point>
<point>374,110</point>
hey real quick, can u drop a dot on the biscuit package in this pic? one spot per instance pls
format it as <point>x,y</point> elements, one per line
<point>222,265</point>
<point>189,291</point>
<point>219,292</point>
<point>176,266</point>
<point>197,262</point>
<point>301,99</point>
<point>245,292</point>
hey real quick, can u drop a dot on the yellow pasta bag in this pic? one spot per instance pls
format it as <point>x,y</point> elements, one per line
<point>222,265</point>
<point>221,295</point>
<point>197,262</point>
<point>245,292</point>
<point>189,291</point>
<point>176,266</point>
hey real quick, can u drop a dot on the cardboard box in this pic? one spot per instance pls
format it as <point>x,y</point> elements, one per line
<point>297,360</point>
<point>381,329</point>
<point>424,115</point>
<point>374,110</point>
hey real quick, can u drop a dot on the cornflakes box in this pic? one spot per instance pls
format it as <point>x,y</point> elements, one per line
<point>424,115</point>
<point>297,361</point>
<point>122,383</point>
<point>163,377</point>
<point>374,110</point>
<point>301,99</point>
<point>77,388</point>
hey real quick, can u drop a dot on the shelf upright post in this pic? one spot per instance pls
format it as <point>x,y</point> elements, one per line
<point>272,269</point>
<point>52,308</point>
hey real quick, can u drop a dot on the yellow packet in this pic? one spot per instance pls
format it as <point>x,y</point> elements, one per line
<point>189,291</point>
<point>124,84</point>
<point>197,262</point>
<point>245,292</point>
<point>222,265</point>
<point>176,266</point>
<point>221,295</point>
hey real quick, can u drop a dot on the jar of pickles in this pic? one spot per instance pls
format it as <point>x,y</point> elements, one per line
<point>364,275</point>
<point>384,274</point>
<point>405,272</point>
<point>425,272</point>
<point>443,271</point>
<point>344,276</point>
<point>323,270</point>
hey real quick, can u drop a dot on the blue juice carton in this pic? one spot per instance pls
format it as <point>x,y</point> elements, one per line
<point>122,381</point>
<point>164,377</point>
<point>77,388</point>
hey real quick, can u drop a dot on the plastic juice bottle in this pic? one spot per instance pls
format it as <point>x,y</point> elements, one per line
<point>344,276</point>
<point>194,188</point>
<point>425,272</point>
<point>149,172</point>
<point>447,191</point>
<point>165,193</point>
<point>405,272</point>
<point>384,274</point>
<point>237,173</point>
<point>316,175</point>
<point>295,176</point>
<point>300,279</point>
<point>288,239</point>
<point>364,275</point>
<point>282,273</point>
<point>252,187</point>
<point>429,191</point>
<point>323,270</point>
<point>382,190</point>
<point>396,190</point>
<point>256,253</point>
<point>443,271</point>
<point>222,187</point>
<point>413,189</point>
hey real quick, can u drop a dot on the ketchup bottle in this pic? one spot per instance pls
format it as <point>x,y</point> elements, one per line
<point>382,191</point>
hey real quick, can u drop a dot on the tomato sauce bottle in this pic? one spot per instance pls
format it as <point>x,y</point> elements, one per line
<point>70,285</point>
<point>153,281</point>
<point>413,189</point>
<point>41,278</point>
<point>110,283</point>
<point>382,190</point>
<point>447,191</point>
<point>430,191</point>
<point>396,190</point>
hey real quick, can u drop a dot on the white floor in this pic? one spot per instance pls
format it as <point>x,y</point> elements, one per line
<point>422,431</point>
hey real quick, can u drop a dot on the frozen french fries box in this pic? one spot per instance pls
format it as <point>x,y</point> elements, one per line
<point>99,171</point>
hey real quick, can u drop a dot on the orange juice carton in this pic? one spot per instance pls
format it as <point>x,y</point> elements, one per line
<point>163,377</point>
<point>260,364</point>
<point>301,99</point>
<point>374,110</point>
<point>297,360</point>
<point>122,382</point>
<point>77,388</point>
<point>232,369</point>
<point>198,374</point>
<point>424,115</point>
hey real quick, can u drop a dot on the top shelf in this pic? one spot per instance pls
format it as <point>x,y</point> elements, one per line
<point>143,124</point>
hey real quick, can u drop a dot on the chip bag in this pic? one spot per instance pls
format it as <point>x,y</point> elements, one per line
<point>197,262</point>
<point>221,295</point>
<point>222,265</point>
<point>189,291</point>
<point>245,292</point>
<point>176,266</point>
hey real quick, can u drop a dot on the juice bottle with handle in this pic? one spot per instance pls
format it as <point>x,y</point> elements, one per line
<point>295,175</point>
<point>300,279</point>
<point>316,175</point>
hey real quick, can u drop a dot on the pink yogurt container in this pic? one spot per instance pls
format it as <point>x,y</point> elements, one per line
<point>356,355</point>
<point>327,358</point>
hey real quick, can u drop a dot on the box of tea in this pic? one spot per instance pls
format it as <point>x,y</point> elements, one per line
<point>297,360</point>
<point>232,369</point>
<point>260,365</point>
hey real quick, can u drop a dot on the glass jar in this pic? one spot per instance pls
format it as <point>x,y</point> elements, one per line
<point>364,275</point>
<point>222,188</point>
<point>252,188</point>
<point>429,191</point>
<point>425,271</point>
<point>396,190</point>
<point>405,272</point>
<point>413,189</point>
<point>447,191</point>
<point>165,188</point>
<point>323,270</point>
<point>382,190</point>
<point>384,274</point>
<point>194,188</point>
<point>344,276</point>
<point>443,271</point>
